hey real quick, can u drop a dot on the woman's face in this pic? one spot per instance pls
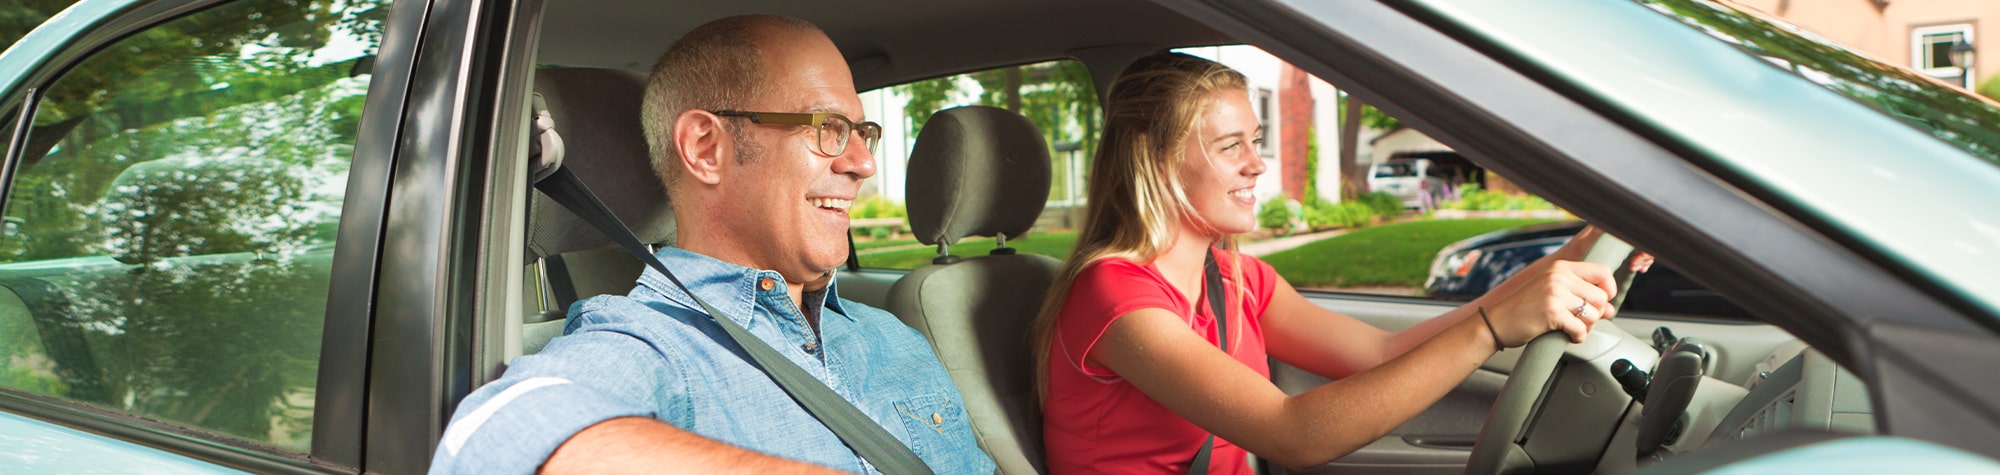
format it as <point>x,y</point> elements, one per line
<point>1219,166</point>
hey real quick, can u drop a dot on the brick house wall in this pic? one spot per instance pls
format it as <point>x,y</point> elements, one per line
<point>1295,118</point>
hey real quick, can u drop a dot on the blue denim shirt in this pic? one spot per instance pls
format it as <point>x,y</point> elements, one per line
<point>653,353</point>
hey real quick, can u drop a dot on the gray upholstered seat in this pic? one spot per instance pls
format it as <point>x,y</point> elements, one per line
<point>981,171</point>
<point>596,113</point>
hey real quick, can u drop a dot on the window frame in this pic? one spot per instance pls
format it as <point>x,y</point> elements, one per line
<point>1920,58</point>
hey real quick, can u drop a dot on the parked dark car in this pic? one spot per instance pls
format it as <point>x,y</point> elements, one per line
<point>1468,268</point>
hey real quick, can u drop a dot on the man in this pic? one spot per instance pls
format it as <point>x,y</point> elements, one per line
<point>647,382</point>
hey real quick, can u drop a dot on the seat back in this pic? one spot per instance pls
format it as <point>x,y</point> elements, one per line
<point>981,171</point>
<point>596,116</point>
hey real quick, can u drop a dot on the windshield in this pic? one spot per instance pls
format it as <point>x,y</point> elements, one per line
<point>1964,120</point>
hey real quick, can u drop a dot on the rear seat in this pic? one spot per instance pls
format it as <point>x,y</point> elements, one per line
<point>596,113</point>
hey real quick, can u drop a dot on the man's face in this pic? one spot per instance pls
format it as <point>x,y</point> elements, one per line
<point>784,194</point>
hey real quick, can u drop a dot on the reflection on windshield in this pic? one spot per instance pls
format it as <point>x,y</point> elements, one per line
<point>1946,113</point>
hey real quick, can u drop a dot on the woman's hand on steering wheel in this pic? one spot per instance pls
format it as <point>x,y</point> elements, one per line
<point>1559,295</point>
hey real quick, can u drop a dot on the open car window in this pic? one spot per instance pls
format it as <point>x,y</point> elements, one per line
<point>169,234</point>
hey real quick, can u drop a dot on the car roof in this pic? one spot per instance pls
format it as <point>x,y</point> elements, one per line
<point>887,42</point>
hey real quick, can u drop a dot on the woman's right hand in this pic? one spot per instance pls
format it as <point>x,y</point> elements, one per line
<point>1568,296</point>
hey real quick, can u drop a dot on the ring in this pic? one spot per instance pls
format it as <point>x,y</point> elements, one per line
<point>1581,309</point>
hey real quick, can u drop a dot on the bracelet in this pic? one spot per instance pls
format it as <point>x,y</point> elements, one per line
<point>1489,328</point>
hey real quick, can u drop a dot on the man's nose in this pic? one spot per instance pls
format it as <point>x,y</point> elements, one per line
<point>858,161</point>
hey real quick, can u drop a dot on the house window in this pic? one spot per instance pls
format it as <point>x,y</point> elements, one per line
<point>1930,51</point>
<point>1268,119</point>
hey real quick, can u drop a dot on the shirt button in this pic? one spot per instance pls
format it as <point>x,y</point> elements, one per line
<point>936,419</point>
<point>808,347</point>
<point>766,284</point>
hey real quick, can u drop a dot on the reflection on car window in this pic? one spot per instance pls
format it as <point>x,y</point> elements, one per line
<point>170,234</point>
<point>1956,118</point>
<point>1057,96</point>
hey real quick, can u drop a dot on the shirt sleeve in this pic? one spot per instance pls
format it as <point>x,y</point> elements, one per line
<point>514,424</point>
<point>1101,293</point>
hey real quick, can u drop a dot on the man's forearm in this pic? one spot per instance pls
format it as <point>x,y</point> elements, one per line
<point>643,445</point>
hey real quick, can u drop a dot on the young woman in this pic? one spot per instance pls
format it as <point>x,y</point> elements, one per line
<point>1136,378</point>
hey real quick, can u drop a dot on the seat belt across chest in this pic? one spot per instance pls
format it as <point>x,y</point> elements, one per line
<point>854,428</point>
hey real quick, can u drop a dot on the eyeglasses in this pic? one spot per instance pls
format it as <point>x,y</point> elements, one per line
<point>832,129</point>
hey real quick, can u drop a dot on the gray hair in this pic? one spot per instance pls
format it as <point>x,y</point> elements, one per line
<point>705,69</point>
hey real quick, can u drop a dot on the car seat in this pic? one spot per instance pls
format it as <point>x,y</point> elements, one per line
<point>595,113</point>
<point>981,171</point>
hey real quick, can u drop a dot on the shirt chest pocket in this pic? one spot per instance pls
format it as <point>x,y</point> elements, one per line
<point>930,420</point>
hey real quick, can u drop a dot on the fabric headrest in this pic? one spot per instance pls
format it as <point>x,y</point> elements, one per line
<point>596,112</point>
<point>976,171</point>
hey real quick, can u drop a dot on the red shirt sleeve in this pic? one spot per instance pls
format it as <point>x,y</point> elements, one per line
<point>1101,293</point>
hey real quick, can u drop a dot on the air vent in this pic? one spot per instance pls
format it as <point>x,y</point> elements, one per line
<point>1777,415</point>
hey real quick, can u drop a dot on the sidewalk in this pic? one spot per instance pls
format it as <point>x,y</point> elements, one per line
<point>1267,247</point>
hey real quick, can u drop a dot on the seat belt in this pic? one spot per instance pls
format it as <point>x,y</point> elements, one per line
<point>1212,278</point>
<point>854,428</point>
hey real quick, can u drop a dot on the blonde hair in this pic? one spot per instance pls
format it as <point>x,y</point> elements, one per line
<point>1135,189</point>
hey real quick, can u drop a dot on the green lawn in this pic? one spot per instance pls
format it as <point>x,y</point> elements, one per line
<point>871,244</point>
<point>1396,254</point>
<point>1048,244</point>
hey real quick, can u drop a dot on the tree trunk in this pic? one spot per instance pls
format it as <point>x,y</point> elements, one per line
<point>1014,89</point>
<point>1353,176</point>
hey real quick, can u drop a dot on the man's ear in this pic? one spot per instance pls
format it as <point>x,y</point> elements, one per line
<point>703,143</point>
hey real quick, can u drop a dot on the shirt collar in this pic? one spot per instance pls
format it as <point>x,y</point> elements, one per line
<point>730,288</point>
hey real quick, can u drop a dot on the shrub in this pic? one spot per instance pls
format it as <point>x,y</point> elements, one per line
<point>1383,203</point>
<point>1990,88</point>
<point>1471,198</point>
<point>876,206</point>
<point>1350,214</point>
<point>1277,215</point>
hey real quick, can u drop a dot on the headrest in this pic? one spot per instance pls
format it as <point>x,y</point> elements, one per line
<point>976,171</point>
<point>177,207</point>
<point>596,113</point>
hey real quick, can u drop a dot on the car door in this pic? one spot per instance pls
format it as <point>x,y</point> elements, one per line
<point>194,211</point>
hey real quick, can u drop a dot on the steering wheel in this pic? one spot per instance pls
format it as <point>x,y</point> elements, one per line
<point>1499,448</point>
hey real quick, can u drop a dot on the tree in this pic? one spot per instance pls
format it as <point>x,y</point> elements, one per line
<point>1057,96</point>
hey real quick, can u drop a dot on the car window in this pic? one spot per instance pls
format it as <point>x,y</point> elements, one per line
<point>1406,216</point>
<point>1057,96</point>
<point>170,230</point>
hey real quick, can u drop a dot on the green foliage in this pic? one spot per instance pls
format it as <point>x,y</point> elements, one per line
<point>1312,165</point>
<point>1056,245</point>
<point>1990,88</point>
<point>1370,116</point>
<point>1471,198</point>
<point>1277,215</point>
<point>876,206</point>
<point>1348,214</point>
<point>21,16</point>
<point>1383,203</point>
<point>1057,96</point>
<point>1390,254</point>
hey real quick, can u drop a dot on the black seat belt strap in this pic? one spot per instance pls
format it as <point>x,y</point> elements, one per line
<point>859,432</point>
<point>1212,278</point>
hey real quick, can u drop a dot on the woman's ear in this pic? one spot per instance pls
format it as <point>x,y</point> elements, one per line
<point>702,143</point>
